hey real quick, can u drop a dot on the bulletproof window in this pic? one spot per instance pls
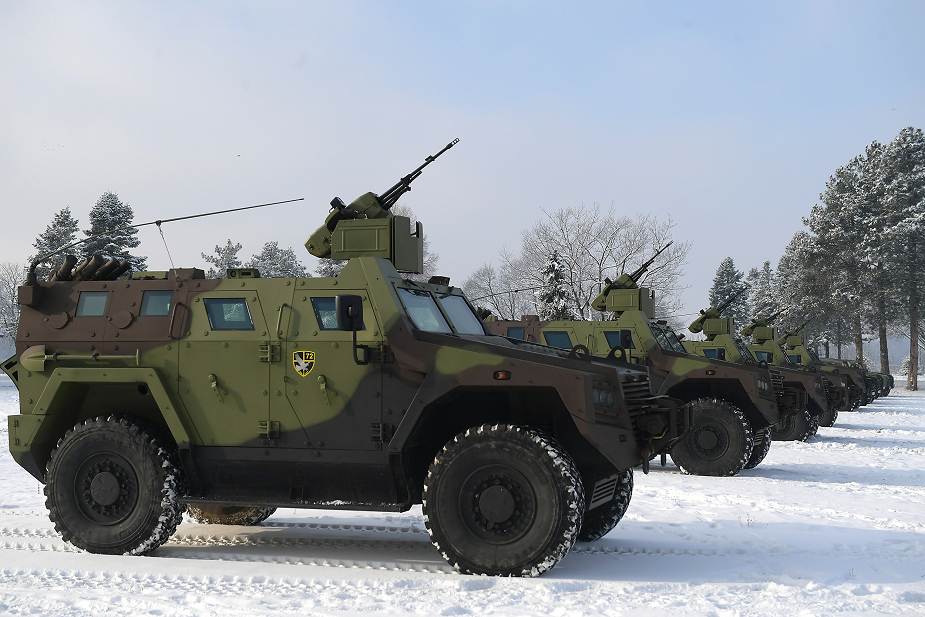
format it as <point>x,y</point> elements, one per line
<point>515,332</point>
<point>460,314</point>
<point>558,339</point>
<point>423,311</point>
<point>325,313</point>
<point>228,314</point>
<point>764,356</point>
<point>156,303</point>
<point>92,303</point>
<point>715,353</point>
<point>796,359</point>
<point>619,338</point>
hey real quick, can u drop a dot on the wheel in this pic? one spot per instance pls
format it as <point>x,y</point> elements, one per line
<point>814,427</point>
<point>761,448</point>
<point>798,426</point>
<point>719,443</point>
<point>112,488</point>
<point>503,500</point>
<point>828,417</point>
<point>599,521</point>
<point>230,515</point>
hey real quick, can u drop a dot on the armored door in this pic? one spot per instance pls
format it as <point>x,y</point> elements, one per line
<point>333,388</point>
<point>225,366</point>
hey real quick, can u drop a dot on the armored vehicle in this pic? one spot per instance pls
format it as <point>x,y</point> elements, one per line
<point>370,390</point>
<point>801,395</point>
<point>733,405</point>
<point>766,348</point>
<point>800,353</point>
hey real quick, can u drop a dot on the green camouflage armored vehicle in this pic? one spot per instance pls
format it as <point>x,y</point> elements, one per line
<point>142,394</point>
<point>766,348</point>
<point>733,405</point>
<point>801,396</point>
<point>800,353</point>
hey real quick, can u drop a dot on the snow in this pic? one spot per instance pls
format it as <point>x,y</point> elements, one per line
<point>834,526</point>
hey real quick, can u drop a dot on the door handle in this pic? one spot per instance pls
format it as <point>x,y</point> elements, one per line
<point>214,385</point>
<point>279,322</point>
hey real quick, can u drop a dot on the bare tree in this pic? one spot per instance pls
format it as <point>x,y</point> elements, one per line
<point>502,289</point>
<point>12,276</point>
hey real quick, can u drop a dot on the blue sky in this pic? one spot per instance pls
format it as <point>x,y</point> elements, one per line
<point>715,113</point>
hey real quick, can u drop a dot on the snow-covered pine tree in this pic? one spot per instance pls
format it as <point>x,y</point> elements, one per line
<point>61,231</point>
<point>273,261</point>
<point>110,218</point>
<point>552,298</point>
<point>329,267</point>
<point>904,367</point>
<point>726,282</point>
<point>224,256</point>
<point>762,298</point>
<point>903,229</point>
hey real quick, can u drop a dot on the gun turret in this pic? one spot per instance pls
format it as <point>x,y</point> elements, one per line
<point>759,321</point>
<point>624,281</point>
<point>715,312</point>
<point>374,231</point>
<point>783,339</point>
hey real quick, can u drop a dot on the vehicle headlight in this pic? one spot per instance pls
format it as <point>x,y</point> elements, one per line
<point>603,396</point>
<point>764,385</point>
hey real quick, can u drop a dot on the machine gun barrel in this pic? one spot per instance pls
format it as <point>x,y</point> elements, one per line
<point>732,298</point>
<point>638,272</point>
<point>784,338</point>
<point>393,193</point>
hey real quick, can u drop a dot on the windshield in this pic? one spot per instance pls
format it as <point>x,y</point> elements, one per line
<point>460,314</point>
<point>812,354</point>
<point>666,338</point>
<point>423,311</point>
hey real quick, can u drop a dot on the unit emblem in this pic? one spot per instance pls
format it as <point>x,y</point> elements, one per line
<point>303,362</point>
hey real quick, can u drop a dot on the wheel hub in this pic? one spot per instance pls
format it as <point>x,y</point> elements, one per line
<point>710,441</point>
<point>104,488</point>
<point>496,504</point>
<point>707,439</point>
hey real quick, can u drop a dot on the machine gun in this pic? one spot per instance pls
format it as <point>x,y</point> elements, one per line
<point>783,339</point>
<point>715,312</point>
<point>758,321</point>
<point>366,206</point>
<point>625,281</point>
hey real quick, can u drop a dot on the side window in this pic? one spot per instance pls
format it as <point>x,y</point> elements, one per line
<point>715,353</point>
<point>619,338</point>
<point>795,359</point>
<point>558,339</point>
<point>515,332</point>
<point>92,303</point>
<point>228,314</point>
<point>156,303</point>
<point>325,313</point>
<point>764,356</point>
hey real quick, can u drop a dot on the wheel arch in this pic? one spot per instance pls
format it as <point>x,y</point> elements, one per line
<point>726,389</point>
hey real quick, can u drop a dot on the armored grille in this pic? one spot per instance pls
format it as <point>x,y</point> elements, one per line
<point>636,393</point>
<point>827,387</point>
<point>603,492</point>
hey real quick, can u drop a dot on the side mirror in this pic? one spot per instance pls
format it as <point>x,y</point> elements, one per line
<point>349,311</point>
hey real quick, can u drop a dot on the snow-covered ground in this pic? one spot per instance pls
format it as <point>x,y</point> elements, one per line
<point>835,526</point>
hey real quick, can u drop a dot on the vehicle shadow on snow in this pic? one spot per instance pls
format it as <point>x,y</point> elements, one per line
<point>880,427</point>
<point>742,551</point>
<point>838,474</point>
<point>879,442</point>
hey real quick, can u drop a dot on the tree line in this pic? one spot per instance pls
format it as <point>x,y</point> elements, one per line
<point>856,270</point>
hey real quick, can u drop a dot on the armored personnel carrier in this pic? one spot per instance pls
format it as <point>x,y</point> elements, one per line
<point>800,353</point>
<point>733,405</point>
<point>765,347</point>
<point>801,395</point>
<point>142,394</point>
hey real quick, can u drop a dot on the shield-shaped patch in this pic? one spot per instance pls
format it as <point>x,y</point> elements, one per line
<point>303,362</point>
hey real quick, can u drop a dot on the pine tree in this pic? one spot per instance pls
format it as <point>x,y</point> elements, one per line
<point>552,299</point>
<point>762,297</point>
<point>273,261</point>
<point>726,282</point>
<point>61,231</point>
<point>111,237</point>
<point>224,257</point>
<point>904,367</point>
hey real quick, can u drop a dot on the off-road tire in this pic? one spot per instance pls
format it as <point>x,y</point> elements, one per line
<point>229,515</point>
<point>598,522</point>
<point>112,488</point>
<point>503,500</point>
<point>761,448</point>
<point>719,443</point>
<point>798,426</point>
<point>828,418</point>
